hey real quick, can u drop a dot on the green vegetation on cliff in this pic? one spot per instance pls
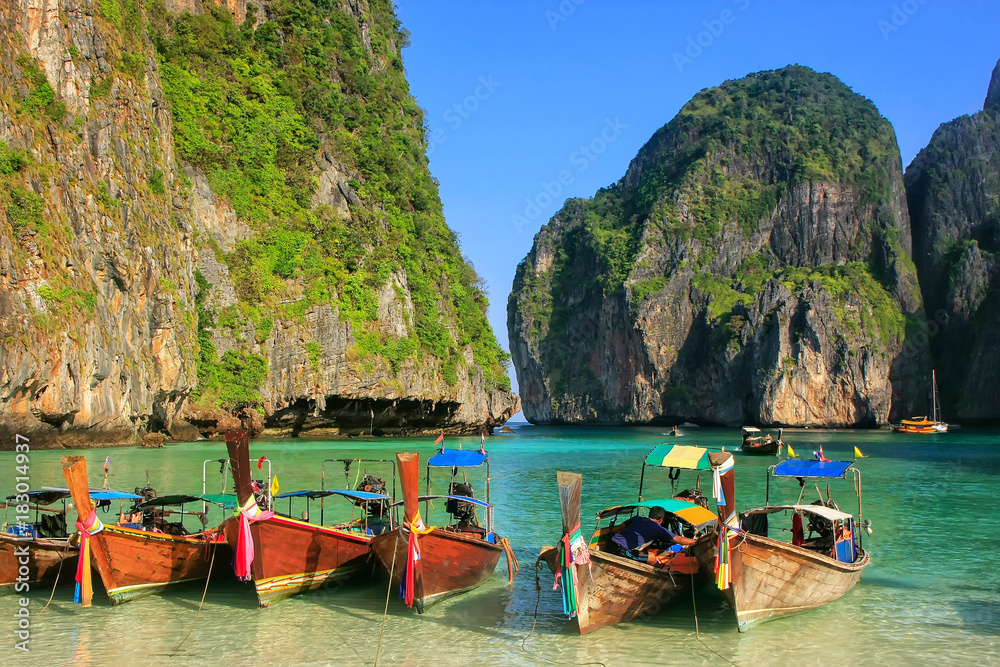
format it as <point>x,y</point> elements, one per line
<point>253,108</point>
<point>722,165</point>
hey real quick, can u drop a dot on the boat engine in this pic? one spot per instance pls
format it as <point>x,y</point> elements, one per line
<point>150,515</point>
<point>260,494</point>
<point>693,496</point>
<point>464,513</point>
<point>372,484</point>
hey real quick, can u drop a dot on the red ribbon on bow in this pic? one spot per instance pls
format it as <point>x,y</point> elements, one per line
<point>409,576</point>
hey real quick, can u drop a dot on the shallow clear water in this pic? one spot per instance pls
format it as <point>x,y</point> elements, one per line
<point>931,594</point>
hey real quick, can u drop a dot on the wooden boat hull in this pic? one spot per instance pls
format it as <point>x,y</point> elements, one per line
<point>772,579</point>
<point>44,557</point>
<point>766,449</point>
<point>450,562</point>
<point>136,563</point>
<point>292,556</point>
<point>615,589</point>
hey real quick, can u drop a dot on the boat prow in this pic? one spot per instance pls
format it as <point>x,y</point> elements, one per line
<point>133,562</point>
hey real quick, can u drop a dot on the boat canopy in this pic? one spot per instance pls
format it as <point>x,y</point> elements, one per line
<point>692,513</point>
<point>458,458</point>
<point>347,493</point>
<point>819,510</point>
<point>464,499</point>
<point>751,429</point>
<point>806,468</point>
<point>46,497</point>
<point>98,494</point>
<point>174,499</point>
<point>689,458</point>
<point>226,500</point>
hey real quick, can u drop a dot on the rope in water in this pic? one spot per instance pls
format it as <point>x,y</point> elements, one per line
<point>200,604</point>
<point>697,629</point>
<point>388,592</point>
<point>538,597</point>
<point>58,572</point>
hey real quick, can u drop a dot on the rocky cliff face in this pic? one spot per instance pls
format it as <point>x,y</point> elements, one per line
<point>752,265</point>
<point>953,186</point>
<point>168,258</point>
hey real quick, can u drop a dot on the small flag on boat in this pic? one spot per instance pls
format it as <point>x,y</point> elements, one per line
<point>107,464</point>
<point>440,439</point>
<point>791,452</point>
<point>274,486</point>
<point>858,454</point>
<point>260,462</point>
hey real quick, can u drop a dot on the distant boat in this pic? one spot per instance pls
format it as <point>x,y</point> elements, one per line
<point>923,424</point>
<point>755,443</point>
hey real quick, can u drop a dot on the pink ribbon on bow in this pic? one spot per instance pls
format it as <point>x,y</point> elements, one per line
<point>244,542</point>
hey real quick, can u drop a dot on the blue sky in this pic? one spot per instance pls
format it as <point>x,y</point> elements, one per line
<point>519,94</point>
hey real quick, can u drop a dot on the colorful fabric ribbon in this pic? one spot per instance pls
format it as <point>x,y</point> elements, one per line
<point>244,542</point>
<point>572,549</point>
<point>90,526</point>
<point>723,569</point>
<point>408,587</point>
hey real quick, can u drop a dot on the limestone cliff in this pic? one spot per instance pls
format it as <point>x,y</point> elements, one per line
<point>204,217</point>
<point>753,264</point>
<point>953,187</point>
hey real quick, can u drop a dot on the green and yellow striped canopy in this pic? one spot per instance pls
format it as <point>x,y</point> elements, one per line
<point>689,458</point>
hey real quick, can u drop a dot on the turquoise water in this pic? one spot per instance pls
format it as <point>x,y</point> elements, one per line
<point>930,596</point>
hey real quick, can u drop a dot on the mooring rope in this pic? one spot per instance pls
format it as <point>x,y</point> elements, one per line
<point>388,592</point>
<point>201,604</point>
<point>697,629</point>
<point>538,597</point>
<point>58,572</point>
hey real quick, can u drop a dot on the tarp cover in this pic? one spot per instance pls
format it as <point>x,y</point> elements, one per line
<point>806,468</point>
<point>461,458</point>
<point>689,458</point>
<point>819,510</point>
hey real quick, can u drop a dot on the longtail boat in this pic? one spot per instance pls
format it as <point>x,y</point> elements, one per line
<point>135,557</point>
<point>923,425</point>
<point>283,555</point>
<point>602,584</point>
<point>754,443</point>
<point>429,564</point>
<point>40,546</point>
<point>764,578</point>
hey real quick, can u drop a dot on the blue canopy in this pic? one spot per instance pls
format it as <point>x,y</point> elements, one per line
<point>460,458</point>
<point>464,499</point>
<point>806,468</point>
<point>98,494</point>
<point>347,493</point>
